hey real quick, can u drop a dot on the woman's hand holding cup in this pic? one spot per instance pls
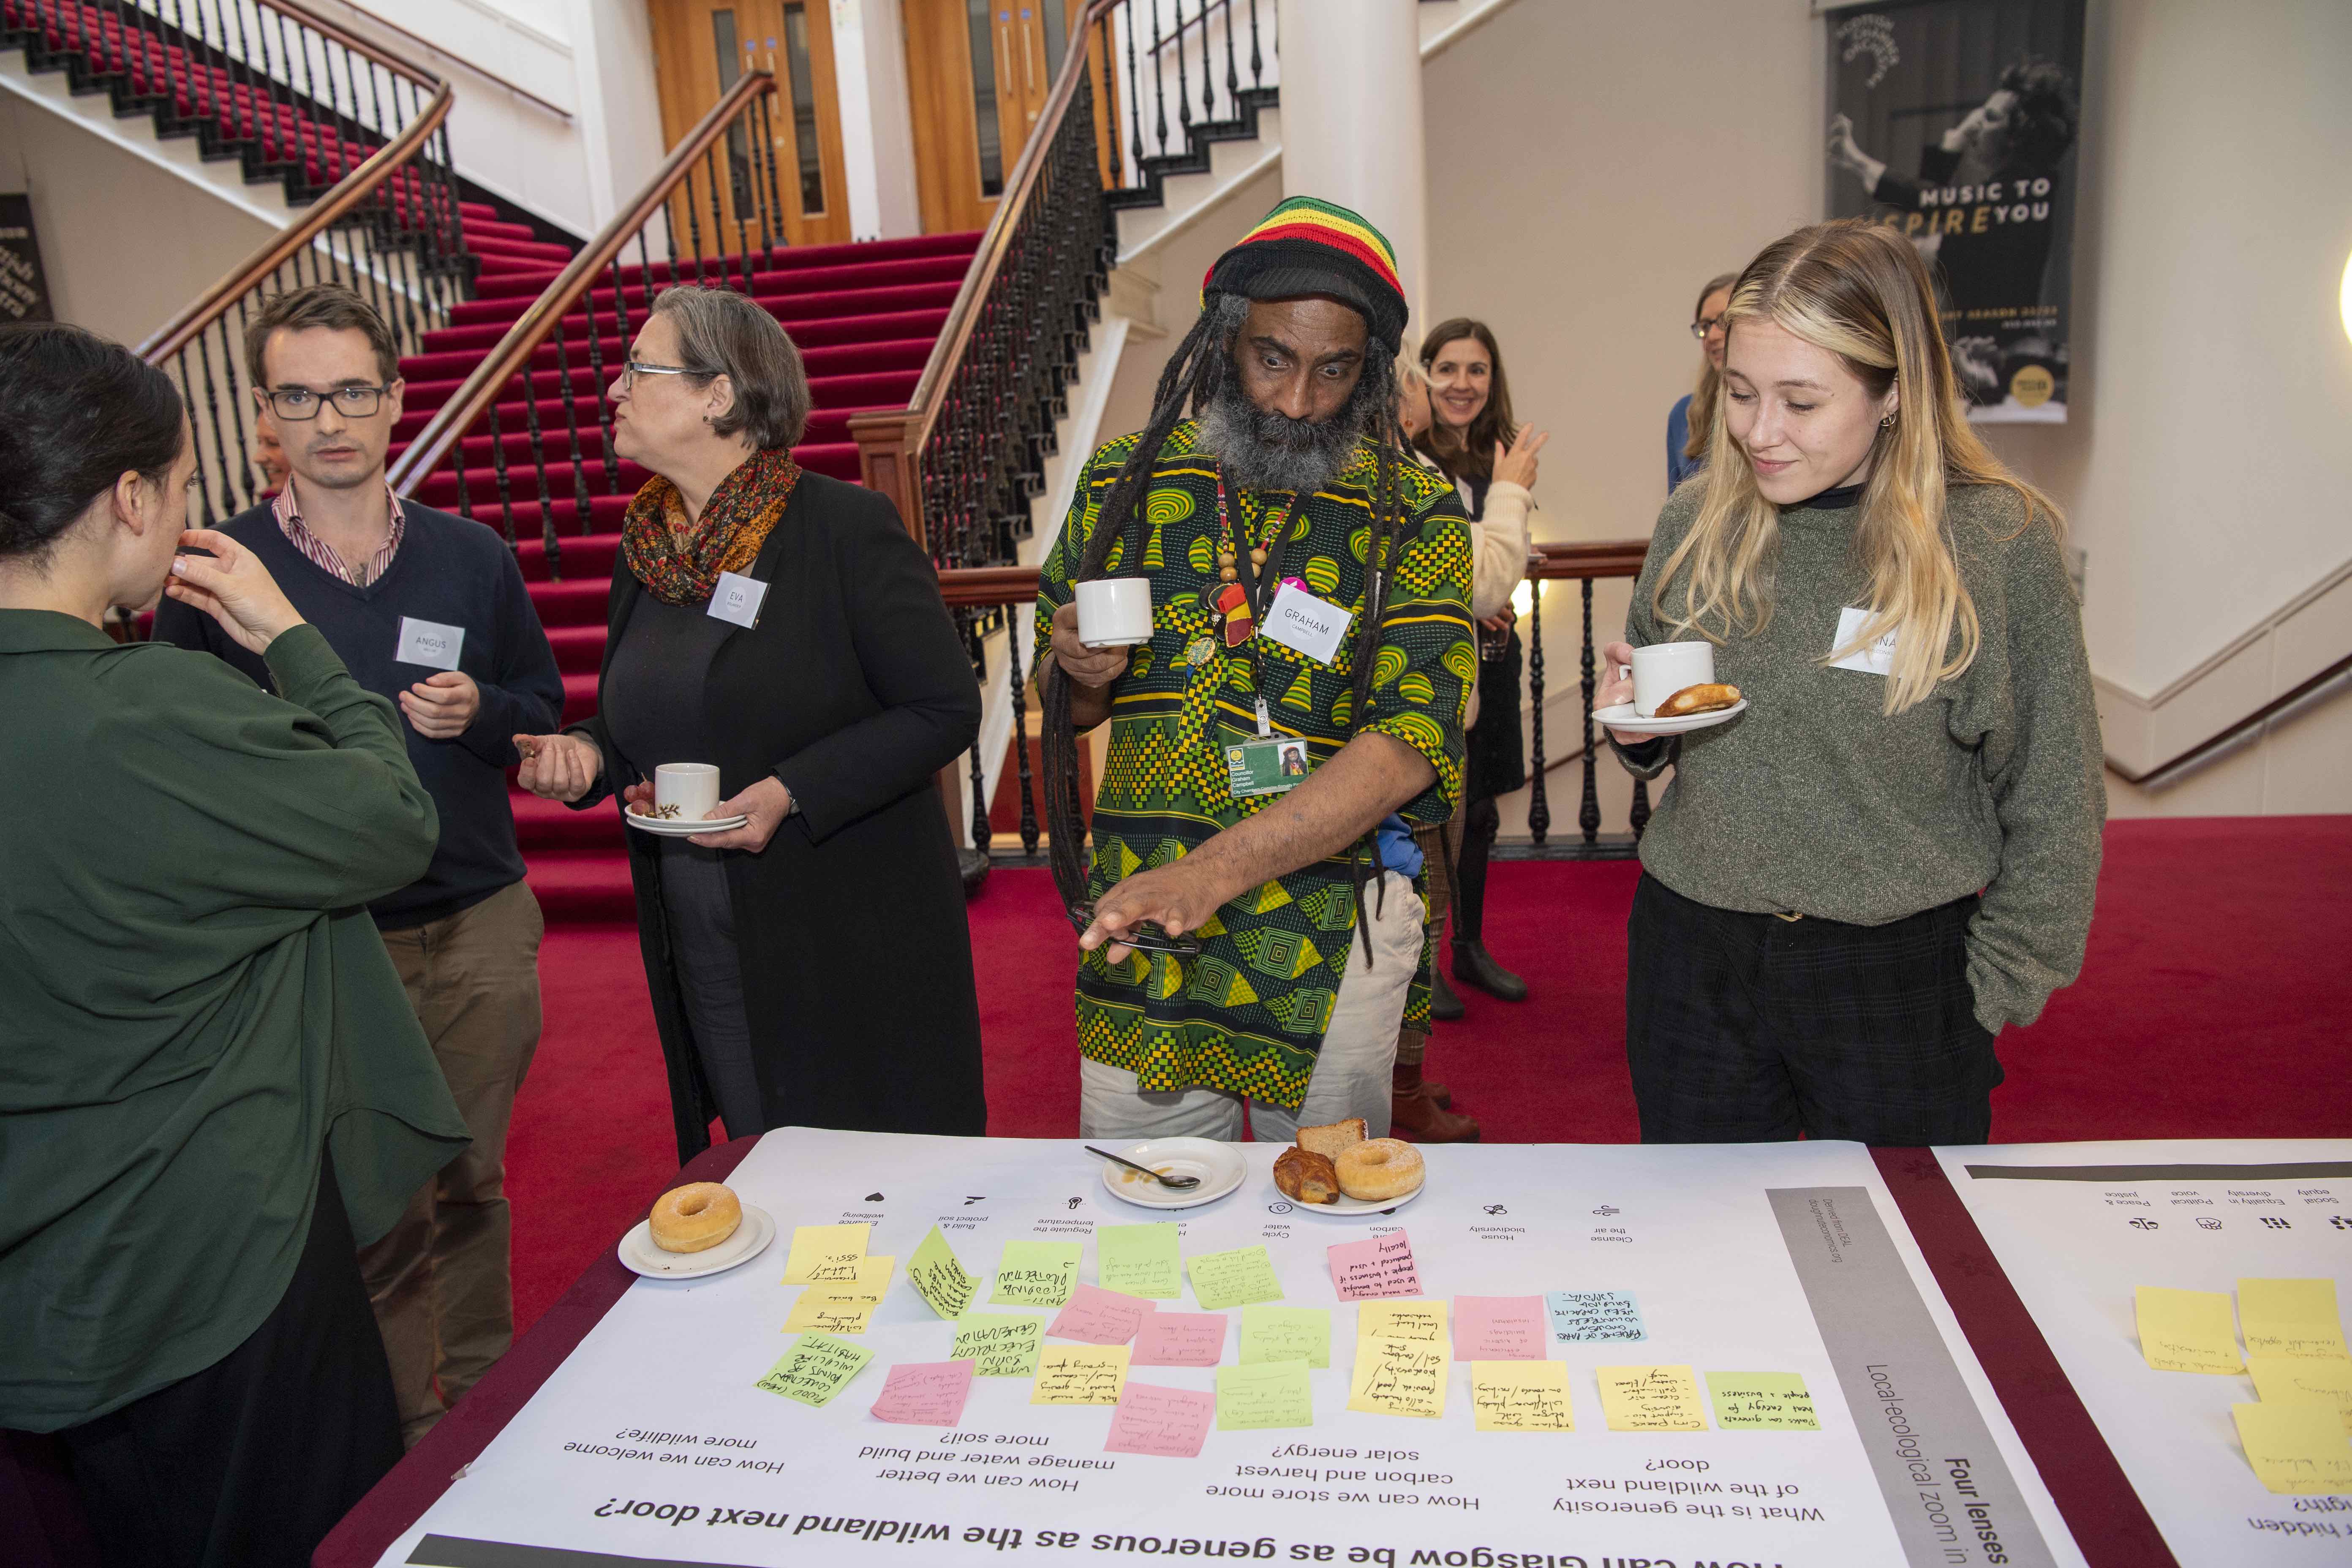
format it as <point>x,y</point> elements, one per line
<point>1618,687</point>
<point>232,587</point>
<point>557,767</point>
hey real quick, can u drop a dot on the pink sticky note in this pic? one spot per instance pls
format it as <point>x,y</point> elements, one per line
<point>1099,1316</point>
<point>1180,1338</point>
<point>1500,1328</point>
<point>1377,1266</point>
<point>926,1393</point>
<point>1169,1422</point>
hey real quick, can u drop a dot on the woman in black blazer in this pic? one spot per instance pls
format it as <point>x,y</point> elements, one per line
<point>812,966</point>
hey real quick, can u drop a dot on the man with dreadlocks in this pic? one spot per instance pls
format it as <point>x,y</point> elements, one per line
<point>1243,937</point>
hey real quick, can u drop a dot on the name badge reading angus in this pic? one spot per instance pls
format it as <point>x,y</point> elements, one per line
<point>428,642</point>
<point>1266,767</point>
<point>1304,623</point>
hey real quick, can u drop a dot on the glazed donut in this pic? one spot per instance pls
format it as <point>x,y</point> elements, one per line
<point>696,1218</point>
<point>1380,1169</point>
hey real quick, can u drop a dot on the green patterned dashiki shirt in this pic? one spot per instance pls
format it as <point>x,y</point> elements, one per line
<point>1248,1014</point>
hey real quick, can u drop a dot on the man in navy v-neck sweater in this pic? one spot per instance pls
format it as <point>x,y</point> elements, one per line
<point>428,611</point>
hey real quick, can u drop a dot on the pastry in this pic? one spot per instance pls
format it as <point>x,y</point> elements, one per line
<point>1307,1176</point>
<point>1703,698</point>
<point>695,1218</point>
<point>1379,1170</point>
<point>1328,1141</point>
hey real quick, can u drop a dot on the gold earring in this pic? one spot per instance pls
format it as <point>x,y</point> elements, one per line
<point>1887,423</point>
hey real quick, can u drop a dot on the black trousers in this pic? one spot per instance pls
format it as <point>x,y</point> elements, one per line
<point>1743,1028</point>
<point>248,1463</point>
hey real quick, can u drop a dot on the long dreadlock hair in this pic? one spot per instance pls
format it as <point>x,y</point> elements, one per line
<point>1195,375</point>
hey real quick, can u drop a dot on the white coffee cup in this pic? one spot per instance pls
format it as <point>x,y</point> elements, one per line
<point>692,787</point>
<point>1664,668</point>
<point>1115,612</point>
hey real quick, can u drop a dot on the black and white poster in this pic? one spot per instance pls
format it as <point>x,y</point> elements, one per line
<point>24,291</point>
<point>1955,123</point>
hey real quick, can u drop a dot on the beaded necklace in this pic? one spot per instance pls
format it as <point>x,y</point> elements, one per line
<point>1242,605</point>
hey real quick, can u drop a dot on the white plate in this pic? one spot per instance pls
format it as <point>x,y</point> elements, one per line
<point>1622,716</point>
<point>1344,1207</point>
<point>640,1255</point>
<point>663,828</point>
<point>1219,1166</point>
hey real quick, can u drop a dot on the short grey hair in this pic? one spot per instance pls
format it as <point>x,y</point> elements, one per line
<point>721,332</point>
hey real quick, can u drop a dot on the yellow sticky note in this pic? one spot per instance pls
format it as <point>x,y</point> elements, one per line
<point>1233,1279</point>
<point>1401,1320</point>
<point>1400,1377</point>
<point>1286,1334</point>
<point>825,1252</point>
<point>939,1277</point>
<point>2304,1380</point>
<point>1079,1374</point>
<point>1651,1399</point>
<point>2298,1450</point>
<point>1520,1396</point>
<point>1005,1344</point>
<point>1761,1402</point>
<point>824,1310</point>
<point>2187,1330</point>
<point>2291,1318</point>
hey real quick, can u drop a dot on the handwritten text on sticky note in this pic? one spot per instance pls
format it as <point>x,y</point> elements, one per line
<point>1234,1278</point>
<point>1400,1377</point>
<point>1401,1321</point>
<point>816,1368</point>
<point>1375,1267</point>
<point>2298,1450</point>
<point>1520,1396</point>
<point>2186,1330</point>
<point>1270,1394</point>
<point>925,1392</point>
<point>1139,1260</point>
<point>822,1252</point>
<point>1035,1274</point>
<point>1168,1422</point>
<point>1651,1399</point>
<point>1584,1317</point>
<point>939,1277</point>
<point>1099,1316</point>
<point>1004,1344</point>
<point>1079,1374</point>
<point>2304,1380</point>
<point>1761,1402</point>
<point>1181,1339</point>
<point>1500,1328</point>
<point>1286,1334</point>
<point>2291,1318</point>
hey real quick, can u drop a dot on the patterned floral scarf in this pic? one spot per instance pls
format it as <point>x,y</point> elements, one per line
<point>679,559</point>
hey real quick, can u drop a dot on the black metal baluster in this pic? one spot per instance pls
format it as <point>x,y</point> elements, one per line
<point>755,131</point>
<point>213,514</point>
<point>236,411</point>
<point>775,196</point>
<point>1208,89</point>
<point>506,495</point>
<point>1233,72</point>
<point>1159,81</point>
<point>572,425</point>
<point>718,219</point>
<point>242,57</point>
<point>603,406</point>
<point>1588,815</point>
<point>1110,95</point>
<point>669,241</point>
<point>465,491</point>
<point>1539,787</point>
<point>538,448</point>
<point>976,642</point>
<point>212,419</point>
<point>1029,833</point>
<point>1134,102</point>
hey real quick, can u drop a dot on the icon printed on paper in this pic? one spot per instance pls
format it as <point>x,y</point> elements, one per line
<point>2206,1222</point>
<point>2274,1223</point>
<point>874,1197</point>
<point>1496,1208</point>
<point>2146,1225</point>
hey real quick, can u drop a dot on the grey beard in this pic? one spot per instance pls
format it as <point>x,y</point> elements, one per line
<point>1267,451</point>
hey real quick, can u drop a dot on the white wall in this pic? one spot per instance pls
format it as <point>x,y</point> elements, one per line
<point>124,242</point>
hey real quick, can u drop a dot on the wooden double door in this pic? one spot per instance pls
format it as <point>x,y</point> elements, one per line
<point>978,75</point>
<point>701,49</point>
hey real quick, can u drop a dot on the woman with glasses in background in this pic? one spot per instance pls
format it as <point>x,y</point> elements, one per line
<point>1693,414</point>
<point>812,965</point>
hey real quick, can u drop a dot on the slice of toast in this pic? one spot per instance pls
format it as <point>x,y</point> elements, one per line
<point>1328,1141</point>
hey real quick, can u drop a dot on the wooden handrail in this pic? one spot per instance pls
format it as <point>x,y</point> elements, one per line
<point>480,390</point>
<point>913,424</point>
<point>323,214</point>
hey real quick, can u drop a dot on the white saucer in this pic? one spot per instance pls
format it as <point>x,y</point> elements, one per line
<point>640,1255</point>
<point>661,827</point>
<point>1622,716</point>
<point>1344,1207</point>
<point>1219,1166</point>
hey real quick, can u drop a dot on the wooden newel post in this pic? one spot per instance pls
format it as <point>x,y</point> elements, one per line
<point>889,460</point>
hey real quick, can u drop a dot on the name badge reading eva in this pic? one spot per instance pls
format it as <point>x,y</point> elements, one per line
<point>1875,658</point>
<point>1304,623</point>
<point>428,642</point>
<point>737,598</point>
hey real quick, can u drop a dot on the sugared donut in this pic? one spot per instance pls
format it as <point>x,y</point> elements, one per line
<point>696,1218</point>
<point>1379,1170</point>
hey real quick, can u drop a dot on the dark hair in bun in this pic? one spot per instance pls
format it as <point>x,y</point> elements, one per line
<point>76,413</point>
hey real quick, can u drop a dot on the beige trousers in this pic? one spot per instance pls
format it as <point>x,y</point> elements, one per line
<point>439,1279</point>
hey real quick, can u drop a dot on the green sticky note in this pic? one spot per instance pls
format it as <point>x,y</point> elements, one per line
<point>1139,1260</point>
<point>1286,1334</point>
<point>1005,1344</point>
<point>1037,1274</point>
<point>1269,1393</point>
<point>1761,1402</point>
<point>1235,1278</point>
<point>817,1367</point>
<point>939,1277</point>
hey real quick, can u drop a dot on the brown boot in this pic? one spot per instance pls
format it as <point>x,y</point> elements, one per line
<point>1413,1114</point>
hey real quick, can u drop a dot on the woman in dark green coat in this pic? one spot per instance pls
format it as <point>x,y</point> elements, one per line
<point>211,1085</point>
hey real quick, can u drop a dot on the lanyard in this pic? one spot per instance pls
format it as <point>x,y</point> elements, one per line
<point>1258,585</point>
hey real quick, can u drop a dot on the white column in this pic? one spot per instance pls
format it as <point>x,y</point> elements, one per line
<point>877,134</point>
<point>1351,124</point>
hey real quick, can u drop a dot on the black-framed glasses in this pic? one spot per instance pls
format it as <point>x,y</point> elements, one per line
<point>1144,936</point>
<point>1704,325</point>
<point>636,368</point>
<point>299,403</point>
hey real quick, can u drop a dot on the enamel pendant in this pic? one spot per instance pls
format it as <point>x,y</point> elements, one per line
<point>1231,606</point>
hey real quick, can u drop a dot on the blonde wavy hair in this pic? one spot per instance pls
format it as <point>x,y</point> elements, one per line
<point>1859,291</point>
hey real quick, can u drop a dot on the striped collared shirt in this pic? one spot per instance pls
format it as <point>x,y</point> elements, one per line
<point>322,556</point>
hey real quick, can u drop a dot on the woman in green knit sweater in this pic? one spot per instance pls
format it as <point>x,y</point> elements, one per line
<point>212,1088</point>
<point>1852,887</point>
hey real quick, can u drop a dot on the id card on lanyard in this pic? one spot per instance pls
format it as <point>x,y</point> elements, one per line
<point>1271,764</point>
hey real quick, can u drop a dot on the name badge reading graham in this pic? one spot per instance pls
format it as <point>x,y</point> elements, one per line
<point>737,598</point>
<point>1304,623</point>
<point>1873,658</point>
<point>428,642</point>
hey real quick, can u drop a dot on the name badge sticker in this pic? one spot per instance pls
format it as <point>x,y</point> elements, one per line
<point>1304,623</point>
<point>1875,658</point>
<point>737,598</point>
<point>428,642</point>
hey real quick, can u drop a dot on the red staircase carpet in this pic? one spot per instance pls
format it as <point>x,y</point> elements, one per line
<point>2215,1003</point>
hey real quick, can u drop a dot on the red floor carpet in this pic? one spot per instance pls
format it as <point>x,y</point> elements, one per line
<point>2216,1002</point>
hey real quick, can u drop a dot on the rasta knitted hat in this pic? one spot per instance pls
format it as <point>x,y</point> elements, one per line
<point>1309,246</point>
